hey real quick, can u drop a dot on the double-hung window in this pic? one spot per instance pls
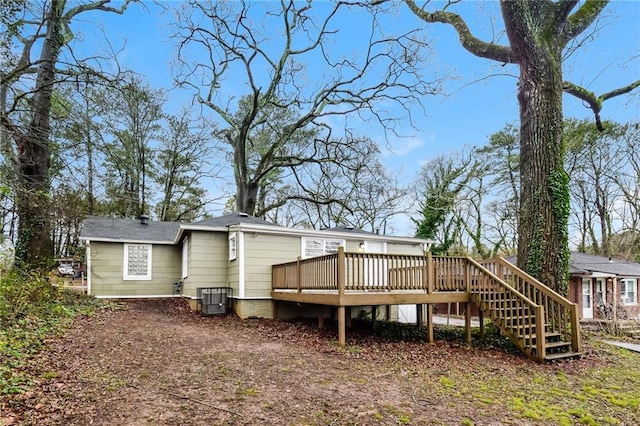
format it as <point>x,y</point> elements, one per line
<point>320,246</point>
<point>629,291</point>
<point>137,262</point>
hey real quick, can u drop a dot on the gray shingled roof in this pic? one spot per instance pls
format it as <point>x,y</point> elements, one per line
<point>583,263</point>
<point>234,218</point>
<point>99,228</point>
<point>348,228</point>
<point>594,263</point>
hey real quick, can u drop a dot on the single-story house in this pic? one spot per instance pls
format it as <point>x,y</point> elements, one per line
<point>603,287</point>
<point>232,253</point>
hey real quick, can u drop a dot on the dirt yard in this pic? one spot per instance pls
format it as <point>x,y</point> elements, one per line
<point>157,363</point>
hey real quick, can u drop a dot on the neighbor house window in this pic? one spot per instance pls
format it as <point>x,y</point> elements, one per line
<point>319,246</point>
<point>628,290</point>
<point>137,262</point>
<point>233,246</point>
<point>601,292</point>
<point>185,257</point>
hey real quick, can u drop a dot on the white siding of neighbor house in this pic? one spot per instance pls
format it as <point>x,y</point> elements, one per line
<point>107,263</point>
<point>207,262</point>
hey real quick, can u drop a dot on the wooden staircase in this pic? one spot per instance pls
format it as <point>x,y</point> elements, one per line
<point>540,322</point>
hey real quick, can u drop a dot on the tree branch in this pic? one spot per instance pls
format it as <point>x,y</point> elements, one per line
<point>594,101</point>
<point>471,43</point>
<point>583,17</point>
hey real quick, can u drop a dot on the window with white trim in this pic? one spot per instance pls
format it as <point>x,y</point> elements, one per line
<point>233,246</point>
<point>312,247</point>
<point>137,262</point>
<point>185,257</point>
<point>629,291</point>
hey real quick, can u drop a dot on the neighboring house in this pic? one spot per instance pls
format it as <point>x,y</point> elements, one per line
<point>603,287</point>
<point>146,259</point>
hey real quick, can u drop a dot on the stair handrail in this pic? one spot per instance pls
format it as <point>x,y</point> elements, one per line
<point>519,334</point>
<point>558,322</point>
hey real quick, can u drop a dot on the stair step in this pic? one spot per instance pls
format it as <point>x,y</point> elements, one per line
<point>562,355</point>
<point>555,345</point>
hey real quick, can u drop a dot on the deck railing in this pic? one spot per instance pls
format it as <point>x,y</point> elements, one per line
<point>561,315</point>
<point>518,316</point>
<point>372,272</point>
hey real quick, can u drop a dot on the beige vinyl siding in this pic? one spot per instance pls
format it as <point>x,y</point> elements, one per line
<point>260,253</point>
<point>206,261</point>
<point>107,263</point>
<point>409,249</point>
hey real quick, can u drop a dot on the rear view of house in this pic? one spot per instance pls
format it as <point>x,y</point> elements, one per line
<point>233,254</point>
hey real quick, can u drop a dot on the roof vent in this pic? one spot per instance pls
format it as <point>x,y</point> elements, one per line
<point>144,219</point>
<point>243,214</point>
<point>349,228</point>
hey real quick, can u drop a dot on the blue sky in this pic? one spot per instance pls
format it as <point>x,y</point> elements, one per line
<point>469,113</point>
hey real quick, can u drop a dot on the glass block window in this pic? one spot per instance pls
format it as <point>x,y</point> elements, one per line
<point>137,262</point>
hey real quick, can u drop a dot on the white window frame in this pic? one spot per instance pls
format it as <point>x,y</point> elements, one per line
<point>326,244</point>
<point>185,257</point>
<point>125,273</point>
<point>624,291</point>
<point>233,246</point>
<point>602,294</point>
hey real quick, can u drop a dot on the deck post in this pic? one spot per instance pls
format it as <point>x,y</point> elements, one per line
<point>299,274</point>
<point>481,319</point>
<point>467,322</point>
<point>430,274</point>
<point>342,339</point>
<point>576,340</point>
<point>340,270</point>
<point>429,323</point>
<point>321,318</point>
<point>374,315</point>
<point>387,312</point>
<point>541,351</point>
<point>419,311</point>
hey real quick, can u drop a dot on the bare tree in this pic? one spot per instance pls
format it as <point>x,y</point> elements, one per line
<point>183,162</point>
<point>538,33</point>
<point>26,88</point>
<point>358,191</point>
<point>280,56</point>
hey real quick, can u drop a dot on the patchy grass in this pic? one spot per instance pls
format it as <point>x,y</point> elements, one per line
<point>160,362</point>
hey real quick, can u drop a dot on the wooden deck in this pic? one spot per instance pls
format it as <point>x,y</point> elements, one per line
<point>540,322</point>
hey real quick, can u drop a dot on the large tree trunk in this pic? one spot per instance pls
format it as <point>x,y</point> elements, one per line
<point>544,204</point>
<point>34,247</point>
<point>247,197</point>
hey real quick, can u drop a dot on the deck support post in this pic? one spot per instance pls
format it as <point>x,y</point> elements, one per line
<point>429,323</point>
<point>481,319</point>
<point>321,318</point>
<point>467,322</point>
<point>387,312</point>
<point>419,311</point>
<point>342,338</point>
<point>374,316</point>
